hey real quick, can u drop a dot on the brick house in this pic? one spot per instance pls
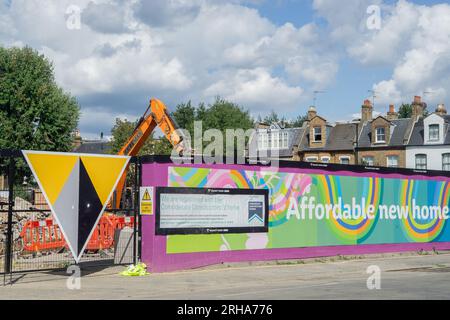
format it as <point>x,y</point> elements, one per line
<point>382,140</point>
<point>327,143</point>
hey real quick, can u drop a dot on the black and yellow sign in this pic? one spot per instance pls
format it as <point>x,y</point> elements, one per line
<point>146,195</point>
<point>77,188</point>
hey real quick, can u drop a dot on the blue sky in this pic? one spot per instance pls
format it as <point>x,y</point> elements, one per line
<point>113,55</point>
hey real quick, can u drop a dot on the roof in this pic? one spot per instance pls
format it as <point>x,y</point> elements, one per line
<point>294,137</point>
<point>397,136</point>
<point>99,147</point>
<point>339,137</point>
<point>418,133</point>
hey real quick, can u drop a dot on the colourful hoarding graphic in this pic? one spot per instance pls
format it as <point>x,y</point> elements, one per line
<point>324,210</point>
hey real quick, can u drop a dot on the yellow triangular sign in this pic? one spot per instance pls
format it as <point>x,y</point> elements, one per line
<point>103,172</point>
<point>52,170</point>
<point>146,196</point>
<point>76,187</point>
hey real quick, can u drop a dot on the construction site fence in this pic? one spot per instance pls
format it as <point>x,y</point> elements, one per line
<point>30,238</point>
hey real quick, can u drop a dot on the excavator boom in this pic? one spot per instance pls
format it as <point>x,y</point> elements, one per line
<point>156,114</point>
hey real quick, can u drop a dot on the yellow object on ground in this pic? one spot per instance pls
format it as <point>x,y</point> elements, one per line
<point>137,270</point>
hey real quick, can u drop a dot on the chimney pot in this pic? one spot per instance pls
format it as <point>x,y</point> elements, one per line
<point>417,99</point>
<point>441,109</point>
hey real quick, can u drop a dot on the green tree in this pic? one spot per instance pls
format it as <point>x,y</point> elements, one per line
<point>271,118</point>
<point>223,114</point>
<point>122,131</point>
<point>297,122</point>
<point>405,111</point>
<point>34,112</point>
<point>220,115</point>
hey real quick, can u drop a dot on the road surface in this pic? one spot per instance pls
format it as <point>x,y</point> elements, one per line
<point>409,276</point>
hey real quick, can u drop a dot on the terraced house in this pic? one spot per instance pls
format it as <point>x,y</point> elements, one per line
<point>327,143</point>
<point>429,145</point>
<point>419,142</point>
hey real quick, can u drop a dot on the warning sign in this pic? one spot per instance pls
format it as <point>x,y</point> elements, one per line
<point>77,188</point>
<point>146,196</point>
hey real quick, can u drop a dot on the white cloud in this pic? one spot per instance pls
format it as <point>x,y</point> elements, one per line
<point>256,88</point>
<point>413,41</point>
<point>176,50</point>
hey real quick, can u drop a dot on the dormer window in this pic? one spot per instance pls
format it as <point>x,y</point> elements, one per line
<point>433,132</point>
<point>380,135</point>
<point>317,133</point>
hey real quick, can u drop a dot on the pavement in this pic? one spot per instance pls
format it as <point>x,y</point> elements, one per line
<point>401,276</point>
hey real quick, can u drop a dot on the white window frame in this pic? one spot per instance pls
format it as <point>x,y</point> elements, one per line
<point>388,159</point>
<point>434,126</point>
<point>376,134</point>
<point>314,134</point>
<point>265,140</point>
<point>325,159</point>
<point>285,140</point>
<point>344,158</point>
<point>423,156</point>
<point>446,164</point>
<point>371,164</point>
<point>311,159</point>
<point>275,140</point>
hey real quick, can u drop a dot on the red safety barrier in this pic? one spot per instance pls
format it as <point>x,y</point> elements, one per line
<point>45,234</point>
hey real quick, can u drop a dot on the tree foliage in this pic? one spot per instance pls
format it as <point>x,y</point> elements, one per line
<point>34,112</point>
<point>122,131</point>
<point>221,115</point>
<point>405,111</point>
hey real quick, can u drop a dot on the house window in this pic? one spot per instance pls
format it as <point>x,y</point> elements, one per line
<point>421,161</point>
<point>392,161</point>
<point>446,162</point>
<point>269,142</point>
<point>260,141</point>
<point>368,160</point>
<point>264,140</point>
<point>275,140</point>
<point>433,132</point>
<point>280,140</point>
<point>311,159</point>
<point>285,139</point>
<point>317,134</point>
<point>325,159</point>
<point>344,160</point>
<point>380,134</point>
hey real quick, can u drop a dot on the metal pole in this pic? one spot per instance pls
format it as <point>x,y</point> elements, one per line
<point>136,209</point>
<point>9,235</point>
<point>139,216</point>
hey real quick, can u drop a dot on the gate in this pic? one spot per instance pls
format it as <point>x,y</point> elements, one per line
<point>32,240</point>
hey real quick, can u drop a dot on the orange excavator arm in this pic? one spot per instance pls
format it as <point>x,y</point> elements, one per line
<point>156,114</point>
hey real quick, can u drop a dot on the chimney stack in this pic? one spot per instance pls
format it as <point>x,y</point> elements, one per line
<point>392,115</point>
<point>366,111</point>
<point>418,107</point>
<point>311,112</point>
<point>440,110</point>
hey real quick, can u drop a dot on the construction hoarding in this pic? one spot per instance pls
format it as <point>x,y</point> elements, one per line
<point>312,211</point>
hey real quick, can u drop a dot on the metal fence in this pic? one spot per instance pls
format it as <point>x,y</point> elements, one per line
<point>32,240</point>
